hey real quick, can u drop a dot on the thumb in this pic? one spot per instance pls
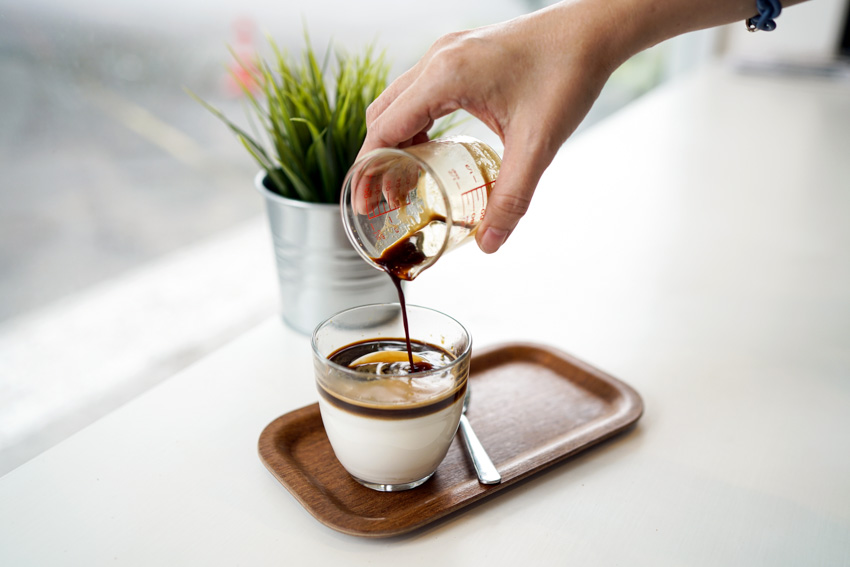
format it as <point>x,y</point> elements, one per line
<point>511,195</point>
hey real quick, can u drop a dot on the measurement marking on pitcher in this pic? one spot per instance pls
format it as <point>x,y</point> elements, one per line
<point>474,202</point>
<point>478,188</point>
<point>468,198</point>
<point>382,209</point>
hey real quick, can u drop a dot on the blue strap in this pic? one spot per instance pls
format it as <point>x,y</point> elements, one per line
<point>764,20</point>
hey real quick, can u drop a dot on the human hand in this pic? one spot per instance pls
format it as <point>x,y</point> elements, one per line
<point>530,80</point>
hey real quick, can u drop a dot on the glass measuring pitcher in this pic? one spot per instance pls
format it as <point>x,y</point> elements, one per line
<point>404,208</point>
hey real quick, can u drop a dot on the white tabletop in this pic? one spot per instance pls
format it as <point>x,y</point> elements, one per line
<point>696,246</point>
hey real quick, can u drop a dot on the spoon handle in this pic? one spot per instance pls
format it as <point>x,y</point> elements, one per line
<point>484,467</point>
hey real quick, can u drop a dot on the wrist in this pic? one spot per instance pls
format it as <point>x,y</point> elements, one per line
<point>586,33</point>
<point>615,30</point>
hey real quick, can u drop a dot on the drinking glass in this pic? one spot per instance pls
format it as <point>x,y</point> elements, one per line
<point>390,429</point>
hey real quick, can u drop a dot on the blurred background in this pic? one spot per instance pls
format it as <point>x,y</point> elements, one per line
<point>131,239</point>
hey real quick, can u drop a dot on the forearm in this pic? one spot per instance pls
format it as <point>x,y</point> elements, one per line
<point>654,21</point>
<point>623,28</point>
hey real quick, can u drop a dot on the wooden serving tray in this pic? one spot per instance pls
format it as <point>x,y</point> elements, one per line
<point>532,406</point>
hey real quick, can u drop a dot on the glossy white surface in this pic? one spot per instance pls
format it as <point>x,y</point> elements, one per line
<point>696,245</point>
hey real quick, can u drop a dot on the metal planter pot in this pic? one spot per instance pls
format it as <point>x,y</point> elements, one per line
<point>319,271</point>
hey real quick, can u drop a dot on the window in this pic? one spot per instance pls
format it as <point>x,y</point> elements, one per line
<point>131,239</point>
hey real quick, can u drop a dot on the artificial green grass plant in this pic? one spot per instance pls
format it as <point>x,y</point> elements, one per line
<point>310,137</point>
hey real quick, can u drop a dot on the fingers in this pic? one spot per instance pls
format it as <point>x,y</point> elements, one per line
<point>392,91</point>
<point>511,196</point>
<point>399,178</point>
<point>382,185</point>
<point>406,119</point>
<point>369,185</point>
<point>402,115</point>
<point>419,138</point>
<point>376,136</point>
<point>365,191</point>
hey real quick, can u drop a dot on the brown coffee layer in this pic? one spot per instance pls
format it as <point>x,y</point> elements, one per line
<point>394,412</point>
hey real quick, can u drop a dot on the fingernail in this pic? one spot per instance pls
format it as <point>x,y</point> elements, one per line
<point>492,239</point>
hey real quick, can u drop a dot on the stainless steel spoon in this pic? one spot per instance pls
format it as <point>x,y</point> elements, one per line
<point>487,473</point>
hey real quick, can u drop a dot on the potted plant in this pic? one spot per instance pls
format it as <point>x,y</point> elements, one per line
<point>308,135</point>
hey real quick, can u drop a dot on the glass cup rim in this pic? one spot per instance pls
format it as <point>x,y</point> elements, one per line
<point>348,371</point>
<point>345,197</point>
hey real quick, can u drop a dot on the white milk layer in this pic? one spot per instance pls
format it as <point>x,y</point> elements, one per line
<point>390,451</point>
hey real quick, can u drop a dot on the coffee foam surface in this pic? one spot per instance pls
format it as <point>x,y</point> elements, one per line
<point>405,391</point>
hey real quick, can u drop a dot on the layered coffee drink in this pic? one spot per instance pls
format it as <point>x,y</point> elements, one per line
<point>392,428</point>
